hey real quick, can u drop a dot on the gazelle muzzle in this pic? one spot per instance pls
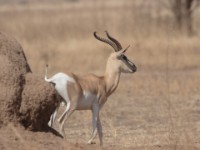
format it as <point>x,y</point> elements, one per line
<point>129,64</point>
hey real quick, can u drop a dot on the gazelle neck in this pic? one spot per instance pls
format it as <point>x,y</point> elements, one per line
<point>111,77</point>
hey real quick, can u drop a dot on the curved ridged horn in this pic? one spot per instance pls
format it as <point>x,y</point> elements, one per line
<point>106,41</point>
<point>119,46</point>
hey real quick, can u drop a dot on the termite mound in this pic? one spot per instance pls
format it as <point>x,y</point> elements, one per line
<point>25,98</point>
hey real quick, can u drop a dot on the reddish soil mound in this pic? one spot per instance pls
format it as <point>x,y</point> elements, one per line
<point>25,98</point>
<point>13,68</point>
<point>38,102</point>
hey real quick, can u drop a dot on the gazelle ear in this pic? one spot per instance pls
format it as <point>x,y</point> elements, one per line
<point>119,53</point>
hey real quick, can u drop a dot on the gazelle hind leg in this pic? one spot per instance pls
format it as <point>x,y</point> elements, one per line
<point>62,90</point>
<point>52,118</point>
<point>66,116</point>
<point>64,113</point>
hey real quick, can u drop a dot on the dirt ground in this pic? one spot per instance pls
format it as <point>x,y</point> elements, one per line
<point>157,108</point>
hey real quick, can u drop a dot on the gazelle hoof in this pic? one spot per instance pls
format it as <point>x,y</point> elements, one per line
<point>50,124</point>
<point>91,142</point>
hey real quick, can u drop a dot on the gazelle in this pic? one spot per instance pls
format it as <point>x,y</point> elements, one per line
<point>90,92</point>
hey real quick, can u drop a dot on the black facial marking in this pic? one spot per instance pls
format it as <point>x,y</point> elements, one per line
<point>124,57</point>
<point>128,63</point>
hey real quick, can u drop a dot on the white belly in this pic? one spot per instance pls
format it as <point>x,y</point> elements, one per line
<point>87,101</point>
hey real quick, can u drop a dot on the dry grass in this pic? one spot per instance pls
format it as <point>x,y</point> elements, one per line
<point>158,106</point>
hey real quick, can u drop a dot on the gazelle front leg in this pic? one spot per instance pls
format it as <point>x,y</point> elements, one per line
<point>96,123</point>
<point>100,133</point>
<point>95,112</point>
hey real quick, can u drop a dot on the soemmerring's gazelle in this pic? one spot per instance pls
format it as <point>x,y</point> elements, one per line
<point>90,92</point>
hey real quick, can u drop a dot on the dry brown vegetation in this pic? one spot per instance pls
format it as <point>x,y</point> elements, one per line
<point>156,108</point>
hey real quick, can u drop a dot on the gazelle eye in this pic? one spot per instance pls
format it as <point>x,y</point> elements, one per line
<point>124,57</point>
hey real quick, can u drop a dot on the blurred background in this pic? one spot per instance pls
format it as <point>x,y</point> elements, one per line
<point>158,105</point>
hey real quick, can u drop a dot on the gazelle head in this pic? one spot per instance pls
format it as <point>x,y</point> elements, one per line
<point>118,60</point>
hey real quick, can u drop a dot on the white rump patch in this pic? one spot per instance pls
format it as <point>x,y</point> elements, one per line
<point>61,80</point>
